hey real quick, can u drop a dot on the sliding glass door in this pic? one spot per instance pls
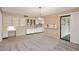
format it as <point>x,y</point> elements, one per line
<point>65,27</point>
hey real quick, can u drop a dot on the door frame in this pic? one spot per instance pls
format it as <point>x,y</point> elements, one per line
<point>60,23</point>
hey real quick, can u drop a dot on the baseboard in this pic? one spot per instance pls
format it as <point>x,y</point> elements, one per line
<point>65,39</point>
<point>5,38</point>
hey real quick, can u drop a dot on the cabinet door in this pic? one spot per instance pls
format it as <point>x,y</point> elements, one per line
<point>10,20</point>
<point>16,21</point>
<point>7,20</point>
<point>22,21</point>
<point>20,30</point>
<point>4,32</point>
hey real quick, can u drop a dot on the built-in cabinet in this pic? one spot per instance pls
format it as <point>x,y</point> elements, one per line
<point>34,26</point>
<point>7,20</point>
<point>5,23</point>
<point>17,21</point>
<point>22,21</point>
<point>23,25</point>
<point>13,20</point>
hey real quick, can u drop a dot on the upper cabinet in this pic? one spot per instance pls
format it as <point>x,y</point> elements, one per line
<point>15,20</point>
<point>7,20</point>
<point>18,20</point>
<point>22,21</point>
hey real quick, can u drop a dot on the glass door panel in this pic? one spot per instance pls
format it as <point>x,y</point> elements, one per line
<point>65,27</point>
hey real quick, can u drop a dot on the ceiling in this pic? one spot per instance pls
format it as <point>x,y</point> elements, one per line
<point>35,11</point>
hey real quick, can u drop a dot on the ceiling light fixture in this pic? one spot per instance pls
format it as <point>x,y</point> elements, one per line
<point>39,18</point>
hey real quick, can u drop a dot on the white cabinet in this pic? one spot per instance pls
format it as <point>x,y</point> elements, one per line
<point>22,21</point>
<point>21,24</point>
<point>34,25</point>
<point>39,29</point>
<point>4,20</point>
<point>7,21</point>
<point>15,20</point>
<point>35,30</point>
<point>4,32</point>
<point>30,31</point>
<point>20,30</point>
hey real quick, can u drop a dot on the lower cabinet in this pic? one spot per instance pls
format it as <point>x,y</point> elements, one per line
<point>34,30</point>
<point>29,31</point>
<point>11,33</point>
<point>4,32</point>
<point>20,30</point>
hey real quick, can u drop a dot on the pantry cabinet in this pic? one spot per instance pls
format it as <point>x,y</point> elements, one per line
<point>7,20</point>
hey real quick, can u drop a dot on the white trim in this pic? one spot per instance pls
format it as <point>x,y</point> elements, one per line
<point>0,39</point>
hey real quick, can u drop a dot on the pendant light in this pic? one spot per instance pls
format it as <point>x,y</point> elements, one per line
<point>41,20</point>
<point>40,13</point>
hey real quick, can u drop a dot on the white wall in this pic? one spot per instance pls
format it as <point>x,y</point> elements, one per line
<point>74,28</point>
<point>0,26</point>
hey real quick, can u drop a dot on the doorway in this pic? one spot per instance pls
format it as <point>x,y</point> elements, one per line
<point>65,27</point>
